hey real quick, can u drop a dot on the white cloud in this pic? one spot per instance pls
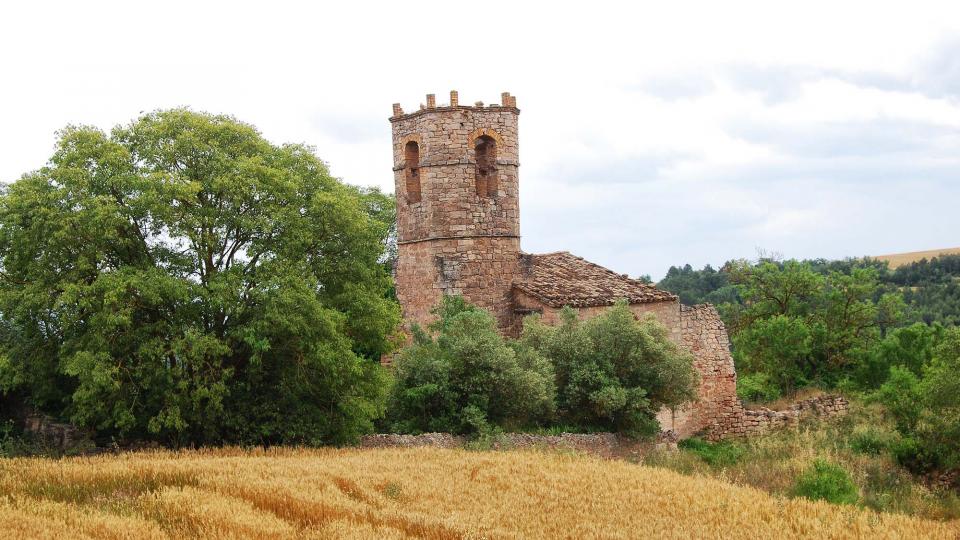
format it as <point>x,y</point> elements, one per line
<point>651,134</point>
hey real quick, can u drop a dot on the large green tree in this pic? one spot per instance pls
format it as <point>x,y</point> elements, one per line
<point>798,326</point>
<point>183,279</point>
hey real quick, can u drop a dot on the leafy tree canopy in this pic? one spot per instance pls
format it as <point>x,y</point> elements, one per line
<point>183,279</point>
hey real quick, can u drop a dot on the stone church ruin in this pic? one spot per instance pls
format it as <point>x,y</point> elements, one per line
<point>458,222</point>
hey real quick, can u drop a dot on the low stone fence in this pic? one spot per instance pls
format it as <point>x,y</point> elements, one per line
<point>601,444</point>
<point>743,422</point>
<point>59,436</point>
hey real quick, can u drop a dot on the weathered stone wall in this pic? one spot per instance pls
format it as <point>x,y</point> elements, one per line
<point>668,313</point>
<point>57,435</point>
<point>704,335</point>
<point>456,236</point>
<point>480,269</point>
<point>741,422</point>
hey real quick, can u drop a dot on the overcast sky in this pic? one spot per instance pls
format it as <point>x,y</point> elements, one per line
<point>651,134</point>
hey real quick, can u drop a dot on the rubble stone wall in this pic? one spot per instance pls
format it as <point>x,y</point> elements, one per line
<point>740,422</point>
<point>476,268</point>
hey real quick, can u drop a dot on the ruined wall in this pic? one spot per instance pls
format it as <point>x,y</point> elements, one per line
<point>740,422</point>
<point>458,234</point>
<point>668,313</point>
<point>704,335</point>
<point>476,268</point>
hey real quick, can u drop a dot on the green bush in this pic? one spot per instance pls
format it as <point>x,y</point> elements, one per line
<point>468,379</point>
<point>872,441</point>
<point>915,456</point>
<point>926,408</point>
<point>719,454</point>
<point>613,372</point>
<point>826,481</point>
<point>757,387</point>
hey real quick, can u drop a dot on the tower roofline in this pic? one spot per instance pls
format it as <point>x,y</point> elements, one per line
<point>507,103</point>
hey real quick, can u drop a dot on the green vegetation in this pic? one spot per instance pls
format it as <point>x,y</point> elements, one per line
<point>182,279</point>
<point>926,407</point>
<point>826,481</point>
<point>610,373</point>
<point>468,379</point>
<point>862,444</point>
<point>717,454</point>
<point>613,372</point>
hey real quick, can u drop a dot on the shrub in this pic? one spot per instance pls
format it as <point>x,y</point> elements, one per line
<point>467,379</point>
<point>826,481</point>
<point>872,441</point>
<point>927,408</point>
<point>613,372</point>
<point>916,456</point>
<point>719,454</point>
<point>757,387</point>
<point>778,348</point>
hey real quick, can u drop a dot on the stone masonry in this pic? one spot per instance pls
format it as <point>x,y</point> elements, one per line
<point>458,217</point>
<point>458,223</point>
<point>738,422</point>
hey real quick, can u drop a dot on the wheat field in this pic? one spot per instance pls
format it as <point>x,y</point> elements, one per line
<point>899,259</point>
<point>405,493</point>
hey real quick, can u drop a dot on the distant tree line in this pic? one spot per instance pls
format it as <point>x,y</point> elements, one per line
<point>854,325</point>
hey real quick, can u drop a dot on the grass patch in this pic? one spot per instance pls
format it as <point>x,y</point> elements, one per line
<point>864,443</point>
<point>719,454</point>
<point>825,481</point>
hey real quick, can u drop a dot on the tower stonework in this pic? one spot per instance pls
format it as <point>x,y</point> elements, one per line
<point>458,220</point>
<point>458,224</point>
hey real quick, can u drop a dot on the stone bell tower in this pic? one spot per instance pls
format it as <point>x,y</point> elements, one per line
<point>458,220</point>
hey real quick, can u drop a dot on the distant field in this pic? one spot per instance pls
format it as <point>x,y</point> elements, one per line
<point>900,259</point>
<point>412,493</point>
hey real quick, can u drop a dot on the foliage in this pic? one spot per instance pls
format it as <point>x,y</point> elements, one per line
<point>926,407</point>
<point>183,279</point>
<point>468,379</point>
<point>613,372</point>
<point>699,286</point>
<point>910,347</point>
<point>801,327</point>
<point>826,481</point>
<point>757,387</point>
<point>873,440</point>
<point>718,454</point>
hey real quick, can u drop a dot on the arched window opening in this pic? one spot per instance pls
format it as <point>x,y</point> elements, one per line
<point>486,158</point>
<point>411,158</point>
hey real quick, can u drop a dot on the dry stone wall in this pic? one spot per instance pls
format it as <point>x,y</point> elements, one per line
<point>741,422</point>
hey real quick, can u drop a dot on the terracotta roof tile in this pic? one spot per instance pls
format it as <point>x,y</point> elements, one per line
<point>560,279</point>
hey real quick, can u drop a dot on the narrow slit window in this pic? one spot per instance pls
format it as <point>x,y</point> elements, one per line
<point>411,158</point>
<point>486,158</point>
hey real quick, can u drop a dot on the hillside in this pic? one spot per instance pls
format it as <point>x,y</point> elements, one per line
<point>899,259</point>
<point>423,493</point>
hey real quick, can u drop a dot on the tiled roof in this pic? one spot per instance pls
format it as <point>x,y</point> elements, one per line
<point>561,279</point>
